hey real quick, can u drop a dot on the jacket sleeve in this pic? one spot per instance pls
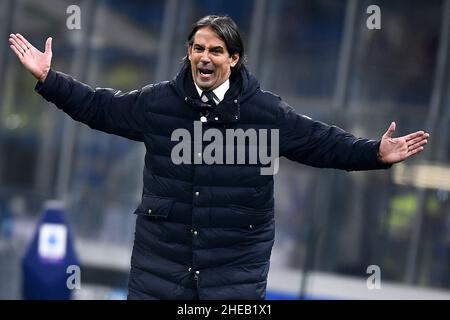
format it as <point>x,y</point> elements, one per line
<point>317,144</point>
<point>103,109</point>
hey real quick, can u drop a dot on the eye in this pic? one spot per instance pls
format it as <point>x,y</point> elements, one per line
<point>198,49</point>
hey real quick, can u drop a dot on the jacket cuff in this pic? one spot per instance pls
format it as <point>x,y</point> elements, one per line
<point>379,162</point>
<point>44,88</point>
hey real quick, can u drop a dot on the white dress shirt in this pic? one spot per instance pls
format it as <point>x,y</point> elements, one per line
<point>219,92</point>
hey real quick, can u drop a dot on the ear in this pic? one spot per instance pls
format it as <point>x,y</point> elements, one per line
<point>234,59</point>
<point>189,50</point>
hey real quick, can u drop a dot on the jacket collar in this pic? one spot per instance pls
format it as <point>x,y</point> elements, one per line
<point>242,86</point>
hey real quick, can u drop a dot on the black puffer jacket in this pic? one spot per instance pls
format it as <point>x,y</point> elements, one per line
<point>204,231</point>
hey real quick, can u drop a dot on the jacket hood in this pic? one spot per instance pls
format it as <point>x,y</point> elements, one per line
<point>243,85</point>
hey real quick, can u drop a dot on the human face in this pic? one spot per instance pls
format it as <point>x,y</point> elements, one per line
<point>210,60</point>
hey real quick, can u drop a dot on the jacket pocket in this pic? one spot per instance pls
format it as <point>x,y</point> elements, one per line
<point>155,206</point>
<point>248,217</point>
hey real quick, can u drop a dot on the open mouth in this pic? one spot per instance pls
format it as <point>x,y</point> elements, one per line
<point>205,72</point>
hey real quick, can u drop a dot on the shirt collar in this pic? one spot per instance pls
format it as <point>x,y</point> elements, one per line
<point>219,92</point>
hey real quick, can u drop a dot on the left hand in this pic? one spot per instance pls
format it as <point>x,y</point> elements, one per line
<point>393,150</point>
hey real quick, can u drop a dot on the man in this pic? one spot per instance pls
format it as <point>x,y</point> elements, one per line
<point>206,230</point>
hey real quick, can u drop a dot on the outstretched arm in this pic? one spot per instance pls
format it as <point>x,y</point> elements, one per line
<point>317,144</point>
<point>393,150</point>
<point>103,109</point>
<point>35,61</point>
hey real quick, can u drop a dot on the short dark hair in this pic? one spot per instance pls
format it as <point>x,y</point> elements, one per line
<point>227,30</point>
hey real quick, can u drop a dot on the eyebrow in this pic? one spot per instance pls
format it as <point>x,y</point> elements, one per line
<point>220,48</point>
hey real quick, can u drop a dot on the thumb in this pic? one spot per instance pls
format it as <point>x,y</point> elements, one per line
<point>390,131</point>
<point>48,45</point>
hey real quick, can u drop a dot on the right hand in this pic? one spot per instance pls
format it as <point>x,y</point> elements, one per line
<point>35,61</point>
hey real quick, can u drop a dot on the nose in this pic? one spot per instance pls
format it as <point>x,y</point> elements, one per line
<point>205,57</point>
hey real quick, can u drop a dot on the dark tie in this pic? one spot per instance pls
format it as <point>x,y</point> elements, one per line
<point>208,97</point>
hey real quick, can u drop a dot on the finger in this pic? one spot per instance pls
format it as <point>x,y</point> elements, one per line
<point>415,140</point>
<point>48,45</point>
<point>415,151</point>
<point>390,131</point>
<point>20,42</point>
<point>18,54</point>
<point>414,135</point>
<point>22,38</point>
<point>417,145</point>
<point>16,45</point>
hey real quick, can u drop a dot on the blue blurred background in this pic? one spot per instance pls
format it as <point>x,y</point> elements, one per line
<point>321,58</point>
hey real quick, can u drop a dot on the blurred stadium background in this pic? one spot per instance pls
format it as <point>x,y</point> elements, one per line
<point>321,58</point>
